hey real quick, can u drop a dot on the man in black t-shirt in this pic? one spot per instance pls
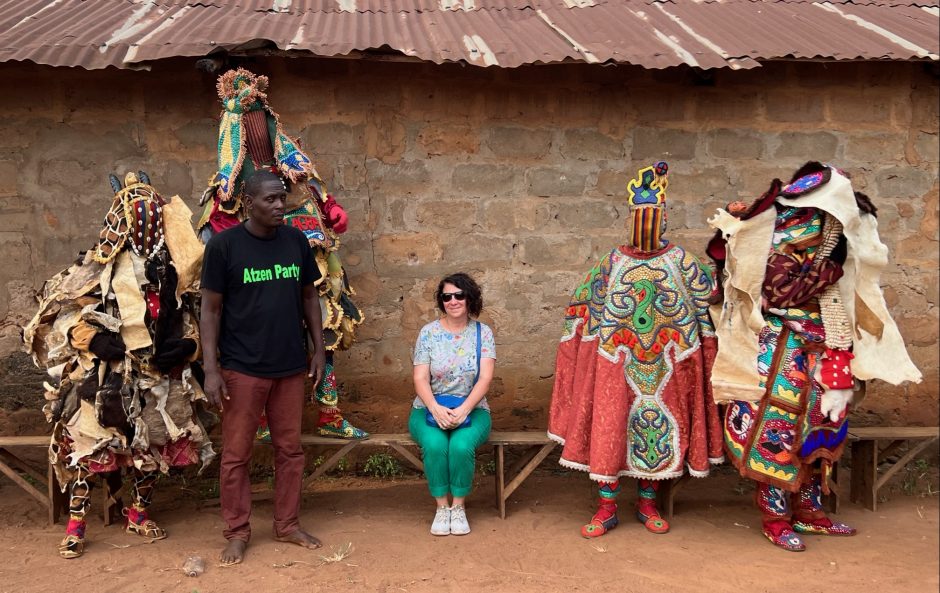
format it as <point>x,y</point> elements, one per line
<point>258,289</point>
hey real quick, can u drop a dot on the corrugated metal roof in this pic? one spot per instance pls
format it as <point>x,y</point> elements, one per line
<point>506,33</point>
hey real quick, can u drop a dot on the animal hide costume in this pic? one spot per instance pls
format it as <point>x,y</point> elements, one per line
<point>251,139</point>
<point>116,332</point>
<point>632,395</point>
<point>803,314</point>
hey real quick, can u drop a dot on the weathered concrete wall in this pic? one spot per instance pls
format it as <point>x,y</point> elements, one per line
<point>515,176</point>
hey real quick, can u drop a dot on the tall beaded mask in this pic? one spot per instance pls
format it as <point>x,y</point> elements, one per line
<point>646,196</point>
<point>135,219</point>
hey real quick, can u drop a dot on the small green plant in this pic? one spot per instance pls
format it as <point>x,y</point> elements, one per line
<point>382,465</point>
<point>488,468</point>
<point>342,466</point>
<point>33,481</point>
<point>915,474</point>
<point>208,489</point>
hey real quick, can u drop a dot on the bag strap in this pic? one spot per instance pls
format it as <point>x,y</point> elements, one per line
<point>479,349</point>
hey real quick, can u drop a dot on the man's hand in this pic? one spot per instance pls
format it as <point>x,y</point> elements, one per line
<point>215,389</point>
<point>317,367</point>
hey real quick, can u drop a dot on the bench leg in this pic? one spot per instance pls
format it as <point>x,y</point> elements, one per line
<point>524,473</point>
<point>865,473</point>
<point>668,492</point>
<point>832,501</point>
<point>326,465</point>
<point>112,506</point>
<point>501,480</point>
<point>408,455</point>
<point>58,500</point>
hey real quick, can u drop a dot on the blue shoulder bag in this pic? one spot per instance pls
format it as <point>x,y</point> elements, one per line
<point>454,401</point>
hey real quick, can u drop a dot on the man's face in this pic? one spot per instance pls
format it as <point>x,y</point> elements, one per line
<point>267,208</point>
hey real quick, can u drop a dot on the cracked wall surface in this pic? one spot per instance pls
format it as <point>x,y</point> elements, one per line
<point>516,176</point>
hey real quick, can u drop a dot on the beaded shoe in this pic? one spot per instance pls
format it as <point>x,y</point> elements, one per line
<point>823,526</point>
<point>782,535</point>
<point>652,521</point>
<point>338,427</point>
<point>603,521</point>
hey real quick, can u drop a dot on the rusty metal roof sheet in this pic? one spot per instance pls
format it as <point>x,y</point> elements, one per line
<point>506,33</point>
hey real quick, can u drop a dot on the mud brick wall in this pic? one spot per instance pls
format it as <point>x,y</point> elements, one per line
<point>515,176</point>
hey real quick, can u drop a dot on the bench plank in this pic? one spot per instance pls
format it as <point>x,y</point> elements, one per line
<point>378,440</point>
<point>27,441</point>
<point>893,432</point>
<point>518,438</point>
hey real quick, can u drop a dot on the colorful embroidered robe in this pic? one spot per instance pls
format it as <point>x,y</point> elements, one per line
<point>774,430</point>
<point>778,439</point>
<point>632,394</point>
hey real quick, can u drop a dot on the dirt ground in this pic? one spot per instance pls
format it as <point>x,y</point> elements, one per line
<point>714,545</point>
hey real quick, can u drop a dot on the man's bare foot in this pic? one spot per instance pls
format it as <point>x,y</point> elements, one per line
<point>234,552</point>
<point>301,538</point>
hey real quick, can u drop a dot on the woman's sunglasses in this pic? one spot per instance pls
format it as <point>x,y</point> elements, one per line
<point>446,296</point>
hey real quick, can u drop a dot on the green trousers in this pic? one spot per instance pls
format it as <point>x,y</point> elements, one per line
<point>449,455</point>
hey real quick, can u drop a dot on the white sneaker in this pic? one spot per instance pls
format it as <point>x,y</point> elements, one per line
<point>458,521</point>
<point>441,523</point>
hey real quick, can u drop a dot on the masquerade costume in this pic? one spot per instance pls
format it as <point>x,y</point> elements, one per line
<point>803,314</point>
<point>251,139</point>
<point>632,395</point>
<point>116,331</point>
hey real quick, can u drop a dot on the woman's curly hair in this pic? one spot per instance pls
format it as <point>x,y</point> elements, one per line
<point>468,286</point>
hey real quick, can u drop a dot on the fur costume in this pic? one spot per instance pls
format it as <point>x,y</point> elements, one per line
<point>116,332</point>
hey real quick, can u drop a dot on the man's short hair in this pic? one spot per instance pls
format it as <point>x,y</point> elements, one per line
<point>253,184</point>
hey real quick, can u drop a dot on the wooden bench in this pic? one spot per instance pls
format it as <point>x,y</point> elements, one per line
<point>867,456</point>
<point>538,447</point>
<point>537,443</point>
<point>52,498</point>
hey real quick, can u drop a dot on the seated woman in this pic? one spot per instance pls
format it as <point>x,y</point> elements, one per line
<point>454,356</point>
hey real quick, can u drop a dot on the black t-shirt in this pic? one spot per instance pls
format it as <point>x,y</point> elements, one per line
<point>261,282</point>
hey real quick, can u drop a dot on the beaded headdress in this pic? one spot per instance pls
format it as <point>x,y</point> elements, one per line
<point>242,91</point>
<point>647,200</point>
<point>135,219</point>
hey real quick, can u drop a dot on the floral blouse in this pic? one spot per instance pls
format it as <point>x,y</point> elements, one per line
<point>453,358</point>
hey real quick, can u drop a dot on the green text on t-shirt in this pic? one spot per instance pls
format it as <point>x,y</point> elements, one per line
<point>279,272</point>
